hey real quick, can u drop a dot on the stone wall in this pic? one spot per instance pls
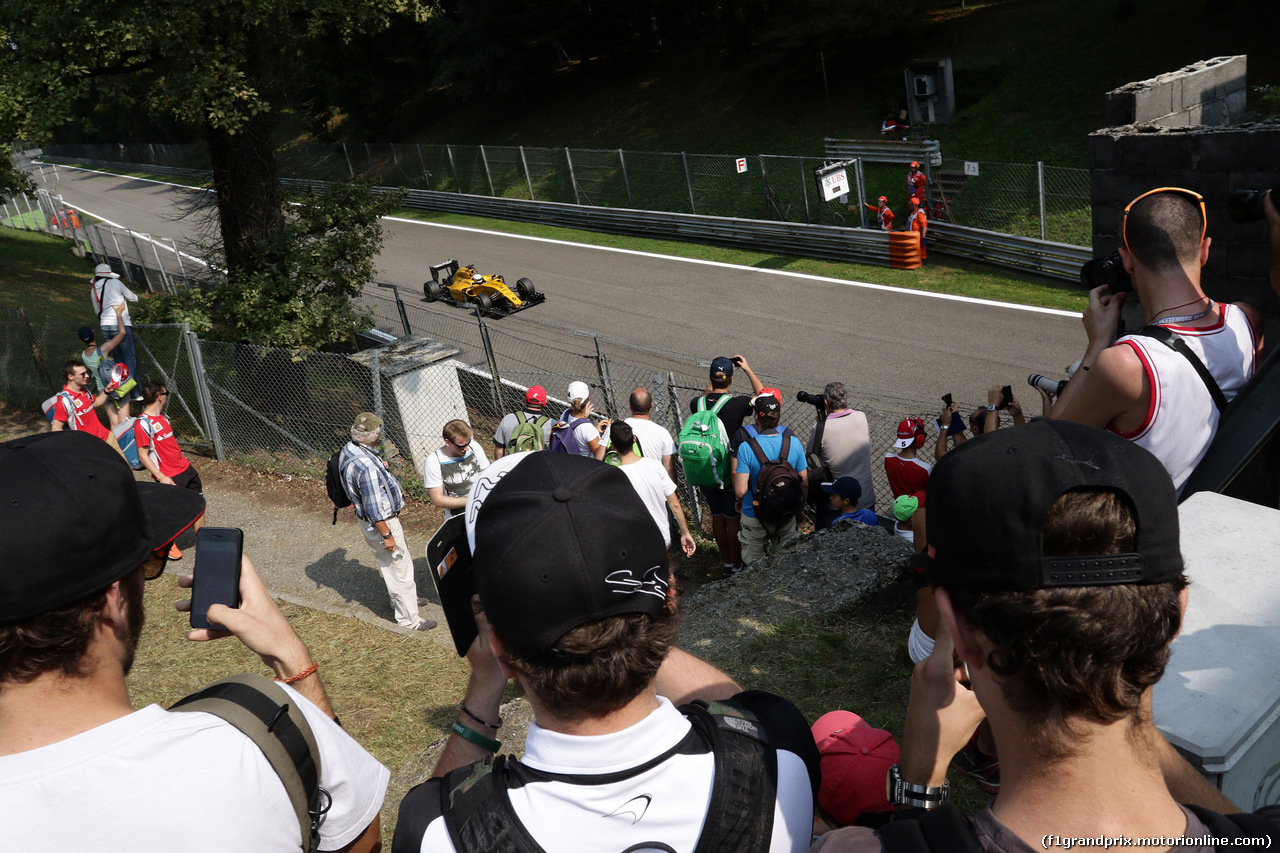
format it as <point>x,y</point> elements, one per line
<point>1125,162</point>
<point>1211,92</point>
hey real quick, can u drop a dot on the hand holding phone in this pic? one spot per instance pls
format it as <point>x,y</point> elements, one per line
<point>1006,396</point>
<point>946,399</point>
<point>216,573</point>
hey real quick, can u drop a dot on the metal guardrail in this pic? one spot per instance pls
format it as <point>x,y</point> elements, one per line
<point>853,245</point>
<point>1043,257</point>
<point>900,151</point>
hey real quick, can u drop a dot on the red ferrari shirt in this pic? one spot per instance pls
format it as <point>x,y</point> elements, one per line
<point>86,419</point>
<point>155,431</point>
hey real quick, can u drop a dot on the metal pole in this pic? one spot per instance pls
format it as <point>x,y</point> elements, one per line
<point>375,371</point>
<point>493,363</point>
<point>159,263</point>
<point>602,367</point>
<point>625,180</point>
<point>404,317</point>
<point>528,177</point>
<point>862,191</point>
<point>120,255</point>
<point>202,394</point>
<point>181,266</point>
<point>423,164</point>
<point>484,159</point>
<point>764,184</point>
<point>454,166</point>
<point>688,181</point>
<point>168,380</point>
<point>572,179</point>
<point>1040,181</point>
<point>350,171</point>
<point>141,264</point>
<point>97,230</point>
<point>673,409</point>
<point>32,226</point>
<point>804,191</point>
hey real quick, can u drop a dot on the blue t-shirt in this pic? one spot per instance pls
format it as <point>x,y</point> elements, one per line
<point>771,444</point>
<point>866,516</point>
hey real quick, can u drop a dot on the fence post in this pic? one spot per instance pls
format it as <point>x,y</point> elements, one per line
<point>454,166</point>
<point>159,263</point>
<point>673,413</point>
<point>528,177</point>
<point>120,255</point>
<point>350,171</point>
<point>32,226</point>
<point>626,182</point>
<point>572,178</point>
<point>488,176</point>
<point>202,393</point>
<point>804,192</point>
<point>693,208</point>
<point>141,264</point>
<point>404,317</point>
<point>498,405</point>
<point>862,191</point>
<point>764,183</point>
<point>602,367</point>
<point>423,164</point>
<point>375,371</point>
<point>1040,181</point>
<point>168,380</point>
<point>181,266</point>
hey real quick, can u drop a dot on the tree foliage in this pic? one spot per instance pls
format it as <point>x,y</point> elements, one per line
<point>300,295</point>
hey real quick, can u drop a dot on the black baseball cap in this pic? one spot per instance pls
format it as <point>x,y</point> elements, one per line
<point>846,487</point>
<point>721,368</point>
<point>73,520</point>
<point>988,499</point>
<point>767,404</point>
<point>560,541</point>
<point>86,333</point>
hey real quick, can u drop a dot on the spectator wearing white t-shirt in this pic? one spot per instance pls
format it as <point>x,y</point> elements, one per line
<point>656,489</point>
<point>655,442</point>
<point>451,469</point>
<point>586,433</point>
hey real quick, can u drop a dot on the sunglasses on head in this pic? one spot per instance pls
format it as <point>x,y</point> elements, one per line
<point>1190,195</point>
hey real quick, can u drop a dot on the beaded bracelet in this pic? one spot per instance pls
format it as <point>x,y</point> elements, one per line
<point>487,744</point>
<point>293,678</point>
<point>468,712</point>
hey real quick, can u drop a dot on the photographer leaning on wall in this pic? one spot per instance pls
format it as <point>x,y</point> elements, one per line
<point>1164,386</point>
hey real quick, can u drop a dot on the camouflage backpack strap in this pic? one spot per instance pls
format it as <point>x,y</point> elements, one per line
<point>477,810</point>
<point>740,814</point>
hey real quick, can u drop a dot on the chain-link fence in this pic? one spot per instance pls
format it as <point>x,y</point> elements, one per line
<point>1026,199</point>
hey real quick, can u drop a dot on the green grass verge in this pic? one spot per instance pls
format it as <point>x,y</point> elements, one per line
<point>39,273</point>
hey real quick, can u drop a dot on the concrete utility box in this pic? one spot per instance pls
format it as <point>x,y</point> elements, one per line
<point>1219,700</point>
<point>420,380</point>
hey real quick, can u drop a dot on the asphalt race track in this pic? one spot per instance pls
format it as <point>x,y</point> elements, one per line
<point>883,343</point>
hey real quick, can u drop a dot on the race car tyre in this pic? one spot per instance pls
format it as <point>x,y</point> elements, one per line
<point>485,303</point>
<point>525,289</point>
<point>433,291</point>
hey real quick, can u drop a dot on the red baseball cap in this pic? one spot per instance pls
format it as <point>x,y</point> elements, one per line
<point>537,394</point>
<point>910,431</point>
<point>855,762</point>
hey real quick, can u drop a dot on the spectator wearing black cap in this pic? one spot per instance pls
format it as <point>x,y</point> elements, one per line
<point>755,532</point>
<point>1054,550</point>
<point>845,493</point>
<point>377,499</point>
<point>92,357</point>
<point>576,604</point>
<point>80,768</point>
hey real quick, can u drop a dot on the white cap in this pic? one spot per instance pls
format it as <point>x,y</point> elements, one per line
<point>579,391</point>
<point>104,269</point>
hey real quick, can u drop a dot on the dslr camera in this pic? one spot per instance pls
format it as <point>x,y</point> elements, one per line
<point>1246,205</point>
<point>1109,271</point>
<point>818,401</point>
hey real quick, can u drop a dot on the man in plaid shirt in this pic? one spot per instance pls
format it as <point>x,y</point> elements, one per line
<point>377,499</point>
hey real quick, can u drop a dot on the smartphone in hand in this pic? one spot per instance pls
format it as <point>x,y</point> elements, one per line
<point>216,576</point>
<point>946,399</point>
<point>1006,396</point>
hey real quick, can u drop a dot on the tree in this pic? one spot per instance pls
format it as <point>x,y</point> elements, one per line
<point>226,68</point>
<point>309,270</point>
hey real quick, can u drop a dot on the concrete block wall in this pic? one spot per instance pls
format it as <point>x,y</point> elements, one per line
<point>1211,92</point>
<point>1127,161</point>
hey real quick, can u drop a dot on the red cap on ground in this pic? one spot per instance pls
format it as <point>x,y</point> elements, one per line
<point>855,765</point>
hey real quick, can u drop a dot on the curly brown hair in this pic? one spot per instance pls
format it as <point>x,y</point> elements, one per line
<point>58,639</point>
<point>617,658</point>
<point>1077,654</point>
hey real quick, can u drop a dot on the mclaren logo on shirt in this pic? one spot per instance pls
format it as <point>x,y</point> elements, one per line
<point>633,809</point>
<point>625,583</point>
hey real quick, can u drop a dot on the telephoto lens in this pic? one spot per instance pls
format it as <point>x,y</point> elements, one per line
<point>1109,271</point>
<point>1044,383</point>
<point>1246,205</point>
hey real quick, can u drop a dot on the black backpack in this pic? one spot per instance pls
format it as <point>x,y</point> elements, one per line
<point>334,486</point>
<point>945,830</point>
<point>479,817</point>
<point>779,490</point>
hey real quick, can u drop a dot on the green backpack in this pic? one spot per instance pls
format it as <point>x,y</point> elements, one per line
<point>528,434</point>
<point>703,446</point>
<point>612,457</point>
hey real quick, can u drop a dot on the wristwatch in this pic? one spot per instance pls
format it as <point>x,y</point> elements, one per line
<point>903,793</point>
<point>991,407</point>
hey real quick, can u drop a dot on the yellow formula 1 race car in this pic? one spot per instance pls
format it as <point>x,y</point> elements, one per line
<point>458,285</point>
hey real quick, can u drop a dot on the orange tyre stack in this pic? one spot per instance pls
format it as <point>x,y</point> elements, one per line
<point>904,250</point>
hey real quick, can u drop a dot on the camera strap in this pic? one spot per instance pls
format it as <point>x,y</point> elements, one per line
<point>1170,339</point>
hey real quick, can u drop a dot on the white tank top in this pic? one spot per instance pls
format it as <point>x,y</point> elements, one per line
<point>1181,418</point>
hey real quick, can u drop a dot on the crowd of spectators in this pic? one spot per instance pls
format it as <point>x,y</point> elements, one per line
<point>1049,582</point>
